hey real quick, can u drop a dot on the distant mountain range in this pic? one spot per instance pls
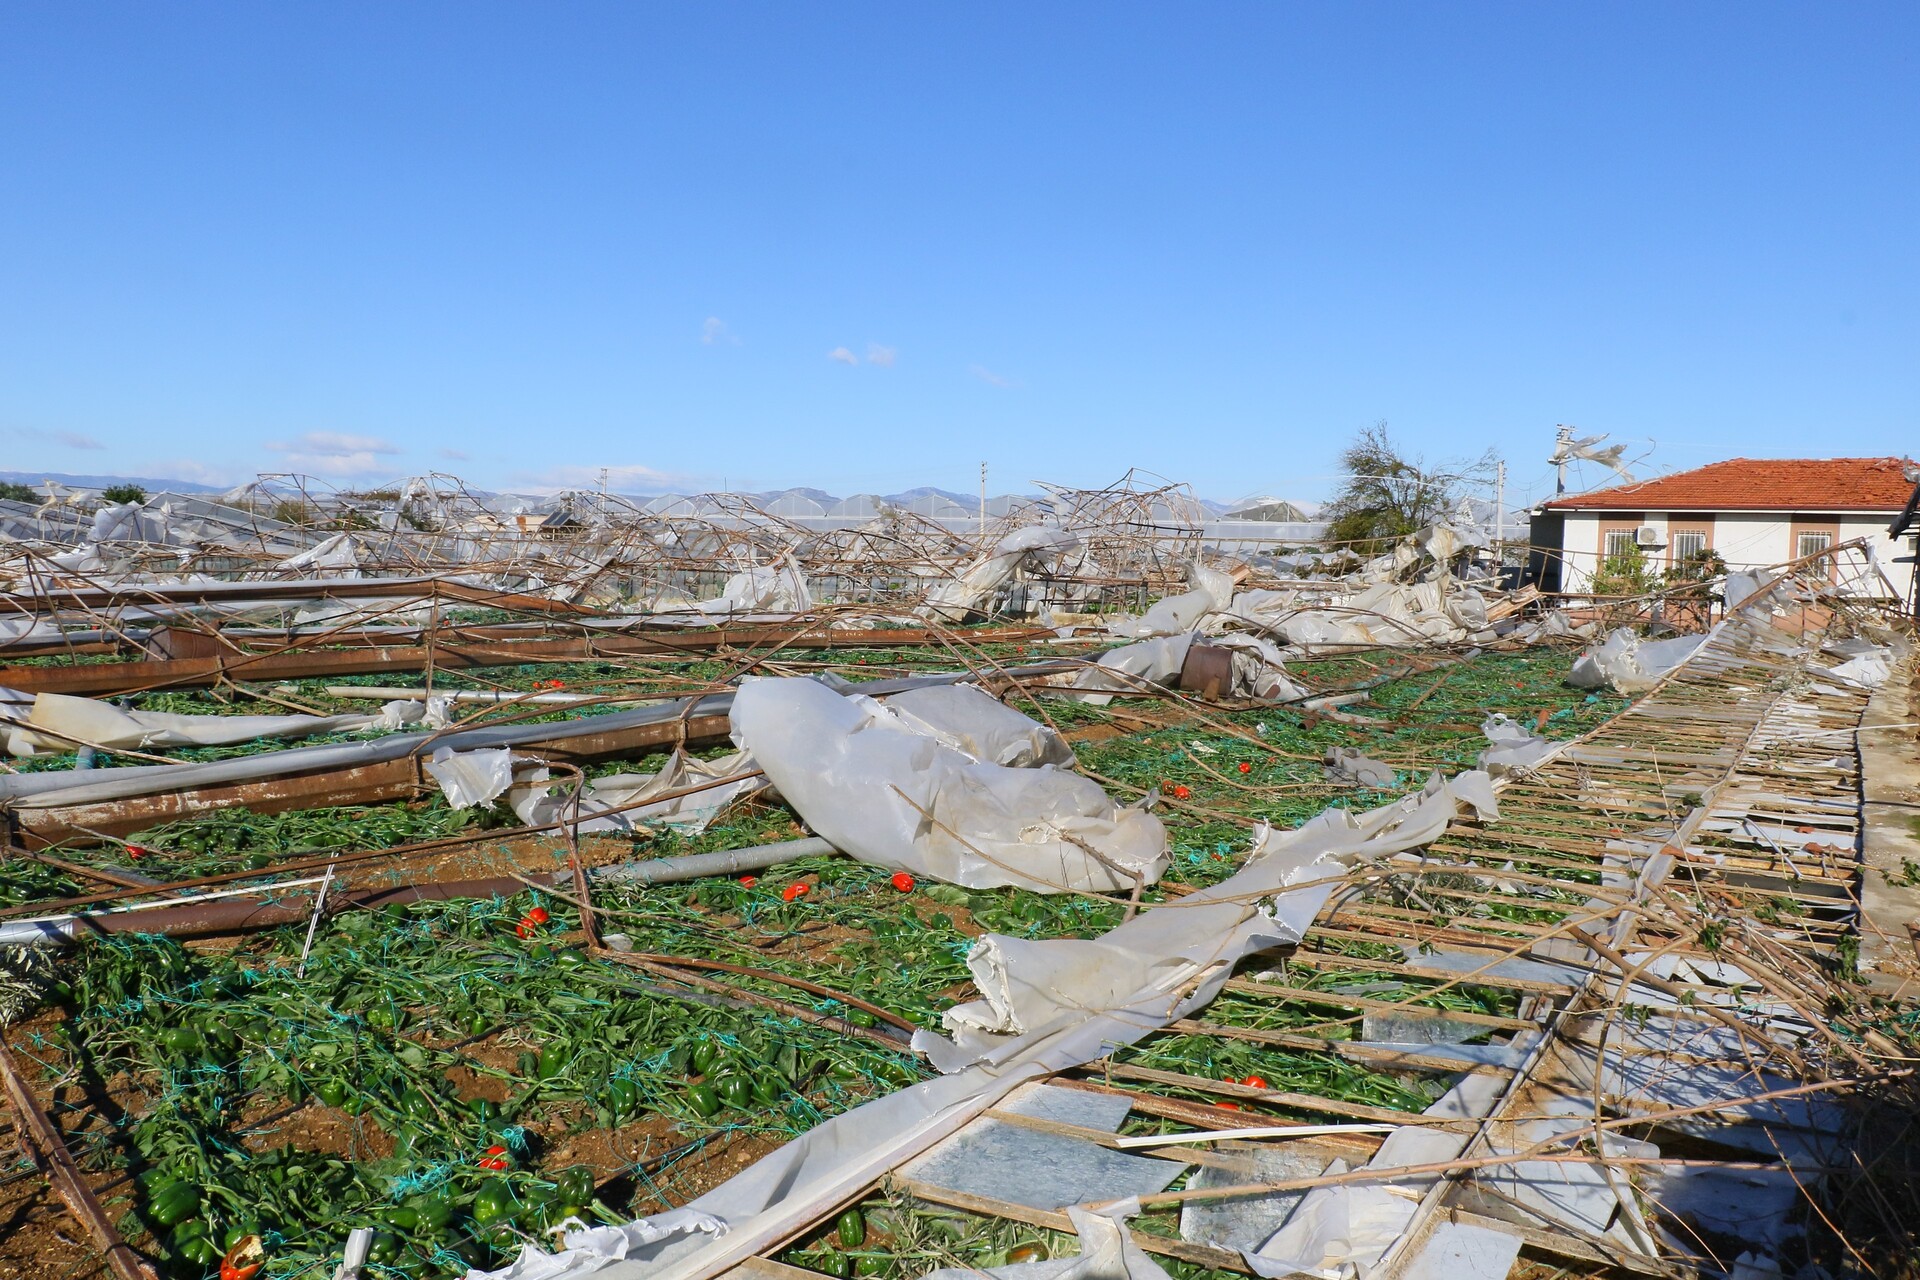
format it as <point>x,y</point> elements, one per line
<point>152,484</point>
<point>1248,508</point>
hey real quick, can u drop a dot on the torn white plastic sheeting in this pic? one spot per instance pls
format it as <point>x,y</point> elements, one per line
<point>1133,667</point>
<point>432,712</point>
<point>1515,748</point>
<point>1464,1251</point>
<point>1629,663</point>
<point>594,1248</point>
<point>470,778</point>
<point>1749,1205</point>
<point>1568,1193</point>
<point>68,720</point>
<point>1259,669</point>
<point>977,583</point>
<point>780,587</point>
<point>1742,587</point>
<point>971,720</point>
<point>1862,662</point>
<point>1554,624</point>
<point>1392,613</point>
<point>1211,592</point>
<point>885,793</point>
<point>1107,1252</point>
<point>533,800</point>
<point>1172,959</point>
<point>1349,766</point>
<point>1199,939</point>
<point>1353,1224</point>
<point>339,554</point>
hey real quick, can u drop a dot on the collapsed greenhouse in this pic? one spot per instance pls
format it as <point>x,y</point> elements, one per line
<point>396,886</point>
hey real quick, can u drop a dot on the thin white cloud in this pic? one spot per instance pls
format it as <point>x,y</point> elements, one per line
<point>194,470</point>
<point>334,442</point>
<point>65,439</point>
<point>882,356</point>
<point>991,378</point>
<point>455,455</point>
<point>625,478</point>
<point>337,455</point>
<point>843,356</point>
<point>714,332</point>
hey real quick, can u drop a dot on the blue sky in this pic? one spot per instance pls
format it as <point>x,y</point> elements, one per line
<point>863,247</point>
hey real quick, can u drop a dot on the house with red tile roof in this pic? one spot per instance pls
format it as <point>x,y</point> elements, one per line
<point>1748,512</point>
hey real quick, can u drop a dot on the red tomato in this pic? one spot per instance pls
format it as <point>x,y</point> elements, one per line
<point>1245,767</point>
<point>749,881</point>
<point>1181,793</point>
<point>538,915</point>
<point>1255,1082</point>
<point>902,881</point>
<point>793,891</point>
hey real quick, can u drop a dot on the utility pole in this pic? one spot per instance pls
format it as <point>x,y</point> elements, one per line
<point>983,500</point>
<point>1563,448</point>
<point>1499,510</point>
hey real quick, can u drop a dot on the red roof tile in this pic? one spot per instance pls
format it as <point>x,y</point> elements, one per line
<point>1760,484</point>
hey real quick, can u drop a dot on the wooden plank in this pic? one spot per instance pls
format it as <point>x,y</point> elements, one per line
<point>1276,1097</point>
<point>767,1269</point>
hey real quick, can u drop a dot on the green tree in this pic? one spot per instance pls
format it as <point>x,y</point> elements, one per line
<point>123,492</point>
<point>1626,572</point>
<point>14,491</point>
<point>1385,495</point>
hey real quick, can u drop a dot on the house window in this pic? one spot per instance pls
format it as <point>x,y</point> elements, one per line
<point>1811,542</point>
<point>1620,543</point>
<point>1688,544</point>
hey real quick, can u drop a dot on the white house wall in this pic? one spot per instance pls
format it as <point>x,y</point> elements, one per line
<point>1745,540</point>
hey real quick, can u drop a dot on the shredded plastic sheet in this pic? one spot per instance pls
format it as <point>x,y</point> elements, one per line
<point>1393,613</point>
<point>968,719</point>
<point>1349,767</point>
<point>533,799</point>
<point>1211,592</point>
<point>339,554</point>
<point>1107,1252</point>
<point>470,778</point>
<point>1077,1001</point>
<point>1133,667</point>
<point>68,720</point>
<point>1552,625</point>
<point>1173,958</point>
<point>763,588</point>
<point>1259,668</point>
<point>978,582</point>
<point>1860,661</point>
<point>1630,663</point>
<point>593,1248</point>
<point>1513,748</point>
<point>881,790</point>
<point>434,712</point>
<point>1459,1251</point>
<point>1353,1224</point>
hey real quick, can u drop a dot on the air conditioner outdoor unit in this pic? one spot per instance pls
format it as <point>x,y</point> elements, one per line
<point>1647,536</point>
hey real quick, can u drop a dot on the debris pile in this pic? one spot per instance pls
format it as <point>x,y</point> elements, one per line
<point>400,887</point>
